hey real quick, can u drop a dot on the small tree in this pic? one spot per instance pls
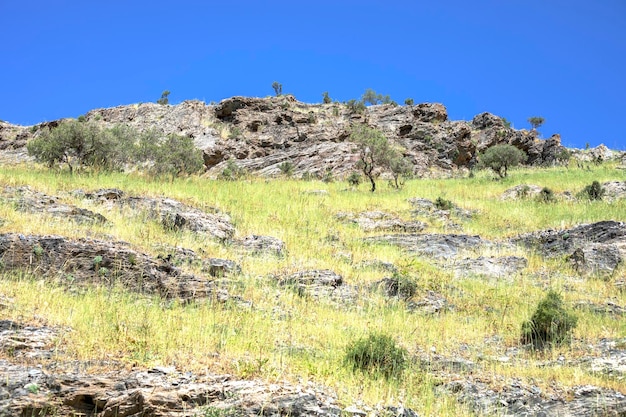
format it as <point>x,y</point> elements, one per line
<point>409,101</point>
<point>536,121</point>
<point>401,168</point>
<point>164,98</point>
<point>375,151</point>
<point>502,157</point>
<point>326,98</point>
<point>594,192</point>
<point>278,88</point>
<point>370,97</point>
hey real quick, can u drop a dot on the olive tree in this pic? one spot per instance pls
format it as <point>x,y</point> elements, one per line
<point>502,157</point>
<point>375,151</point>
<point>536,121</point>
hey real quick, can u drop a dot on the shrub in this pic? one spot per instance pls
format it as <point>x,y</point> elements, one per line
<point>536,121</point>
<point>354,179</point>
<point>409,101</point>
<point>286,168</point>
<point>376,354</point>
<point>232,172</point>
<point>177,155</point>
<point>443,204</point>
<point>164,98</point>
<point>594,191</point>
<point>546,195</point>
<point>75,144</point>
<point>549,324</point>
<point>355,106</point>
<point>401,285</point>
<point>326,98</point>
<point>502,157</point>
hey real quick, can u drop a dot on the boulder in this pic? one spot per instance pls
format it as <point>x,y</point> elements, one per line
<point>496,267</point>
<point>438,246</point>
<point>320,284</point>
<point>262,245</point>
<point>378,221</point>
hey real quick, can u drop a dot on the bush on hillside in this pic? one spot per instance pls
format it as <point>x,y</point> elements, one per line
<point>551,323</point>
<point>377,354</point>
<point>595,191</point>
<point>77,144</point>
<point>546,195</point>
<point>502,157</point>
<point>443,204</point>
<point>232,171</point>
<point>177,155</point>
<point>354,179</point>
<point>286,168</point>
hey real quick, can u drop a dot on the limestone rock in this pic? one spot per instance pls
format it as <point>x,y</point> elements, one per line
<point>30,201</point>
<point>320,284</point>
<point>259,245</point>
<point>378,221</point>
<point>94,262</point>
<point>438,246</point>
<point>496,267</point>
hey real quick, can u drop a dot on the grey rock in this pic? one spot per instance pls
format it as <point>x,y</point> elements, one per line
<point>614,190</point>
<point>84,262</point>
<point>521,191</point>
<point>439,246</point>
<point>378,221</point>
<point>431,303</point>
<point>497,267</point>
<point>261,245</point>
<point>27,200</point>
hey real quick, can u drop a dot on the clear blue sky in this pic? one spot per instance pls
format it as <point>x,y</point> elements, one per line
<point>562,60</point>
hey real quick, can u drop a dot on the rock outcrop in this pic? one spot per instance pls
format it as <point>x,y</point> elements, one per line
<point>83,262</point>
<point>261,133</point>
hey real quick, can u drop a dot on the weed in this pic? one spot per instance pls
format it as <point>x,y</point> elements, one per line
<point>354,179</point>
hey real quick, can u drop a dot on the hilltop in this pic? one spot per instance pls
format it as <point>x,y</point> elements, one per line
<point>262,133</point>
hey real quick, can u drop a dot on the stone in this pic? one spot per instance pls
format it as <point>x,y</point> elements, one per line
<point>431,303</point>
<point>521,191</point>
<point>259,245</point>
<point>496,267</point>
<point>82,262</point>
<point>377,221</point>
<point>438,246</point>
<point>322,284</point>
<point>27,200</point>
<point>614,190</point>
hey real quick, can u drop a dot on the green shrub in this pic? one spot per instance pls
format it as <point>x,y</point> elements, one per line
<point>443,204</point>
<point>550,323</point>
<point>164,98</point>
<point>546,195</point>
<point>409,101</point>
<point>401,285</point>
<point>355,106</point>
<point>377,354</point>
<point>286,168</point>
<point>594,191</point>
<point>177,155</point>
<point>232,171</point>
<point>326,98</point>
<point>354,179</point>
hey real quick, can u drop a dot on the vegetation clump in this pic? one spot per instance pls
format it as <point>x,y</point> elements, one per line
<point>376,354</point>
<point>443,204</point>
<point>354,179</point>
<point>500,158</point>
<point>232,171</point>
<point>286,168</point>
<point>551,323</point>
<point>546,195</point>
<point>594,192</point>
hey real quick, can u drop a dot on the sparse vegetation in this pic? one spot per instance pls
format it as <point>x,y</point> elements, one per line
<point>326,98</point>
<point>502,157</point>
<point>408,101</point>
<point>354,179</point>
<point>286,168</point>
<point>232,171</point>
<point>443,204</point>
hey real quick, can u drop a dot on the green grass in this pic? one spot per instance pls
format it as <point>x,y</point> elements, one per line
<point>286,336</point>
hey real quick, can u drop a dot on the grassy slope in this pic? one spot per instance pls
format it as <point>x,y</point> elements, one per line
<point>288,337</point>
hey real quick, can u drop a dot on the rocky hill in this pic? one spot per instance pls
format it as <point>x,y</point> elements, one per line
<point>262,133</point>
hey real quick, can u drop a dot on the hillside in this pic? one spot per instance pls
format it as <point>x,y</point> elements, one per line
<point>127,295</point>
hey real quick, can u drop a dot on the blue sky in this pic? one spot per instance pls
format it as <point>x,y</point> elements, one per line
<point>562,60</point>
